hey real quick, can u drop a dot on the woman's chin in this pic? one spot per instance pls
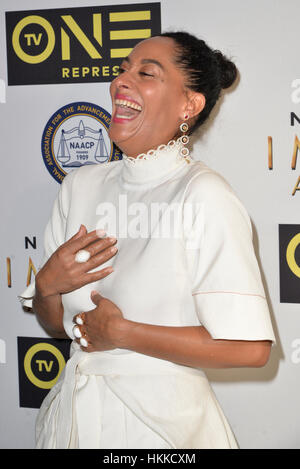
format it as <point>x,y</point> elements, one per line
<point>120,134</point>
<point>117,136</point>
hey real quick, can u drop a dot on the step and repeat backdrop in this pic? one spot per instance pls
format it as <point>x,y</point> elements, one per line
<point>57,60</point>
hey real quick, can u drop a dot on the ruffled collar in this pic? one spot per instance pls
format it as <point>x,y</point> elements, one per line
<point>155,165</point>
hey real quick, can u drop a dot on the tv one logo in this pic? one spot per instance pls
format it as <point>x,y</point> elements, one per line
<point>41,362</point>
<point>76,44</point>
<point>289,250</point>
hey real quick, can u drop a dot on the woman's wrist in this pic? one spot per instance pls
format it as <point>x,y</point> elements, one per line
<point>49,312</point>
<point>123,328</point>
<point>42,288</point>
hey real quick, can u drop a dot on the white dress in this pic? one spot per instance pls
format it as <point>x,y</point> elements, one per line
<point>185,258</point>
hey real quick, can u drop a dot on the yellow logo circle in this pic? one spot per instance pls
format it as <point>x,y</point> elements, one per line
<point>43,346</point>
<point>290,255</point>
<point>33,59</point>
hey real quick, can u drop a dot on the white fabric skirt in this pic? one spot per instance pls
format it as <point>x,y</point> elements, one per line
<point>131,401</point>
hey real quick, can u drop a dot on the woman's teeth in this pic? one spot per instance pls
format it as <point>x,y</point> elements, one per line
<point>128,104</point>
<point>122,116</point>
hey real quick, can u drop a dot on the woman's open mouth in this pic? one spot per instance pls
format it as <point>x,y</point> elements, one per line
<point>125,109</point>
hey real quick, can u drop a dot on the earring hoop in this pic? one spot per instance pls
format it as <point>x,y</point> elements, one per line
<point>184,127</point>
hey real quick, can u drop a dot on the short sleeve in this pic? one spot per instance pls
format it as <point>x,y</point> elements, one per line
<point>54,234</point>
<point>226,283</point>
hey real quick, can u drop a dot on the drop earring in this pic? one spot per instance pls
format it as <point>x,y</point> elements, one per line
<point>184,139</point>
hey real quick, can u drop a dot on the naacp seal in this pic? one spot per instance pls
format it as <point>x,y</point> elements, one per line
<point>77,135</point>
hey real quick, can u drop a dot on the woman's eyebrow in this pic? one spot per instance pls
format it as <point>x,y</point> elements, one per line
<point>147,61</point>
<point>152,61</point>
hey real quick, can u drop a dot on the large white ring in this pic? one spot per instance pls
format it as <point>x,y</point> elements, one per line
<point>82,256</point>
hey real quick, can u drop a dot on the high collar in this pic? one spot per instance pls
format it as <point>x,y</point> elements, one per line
<point>154,166</point>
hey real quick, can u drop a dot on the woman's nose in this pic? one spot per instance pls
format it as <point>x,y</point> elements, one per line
<point>124,80</point>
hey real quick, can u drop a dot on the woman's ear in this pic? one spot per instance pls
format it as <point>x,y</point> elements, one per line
<point>196,103</point>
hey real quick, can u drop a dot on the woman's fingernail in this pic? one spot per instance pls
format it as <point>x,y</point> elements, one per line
<point>83,342</point>
<point>76,332</point>
<point>79,321</point>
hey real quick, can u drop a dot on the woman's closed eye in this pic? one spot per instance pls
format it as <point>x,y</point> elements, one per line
<point>142,73</point>
<point>121,70</point>
<point>146,74</point>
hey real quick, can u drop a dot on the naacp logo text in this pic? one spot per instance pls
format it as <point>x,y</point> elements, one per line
<point>41,362</point>
<point>76,135</point>
<point>75,45</point>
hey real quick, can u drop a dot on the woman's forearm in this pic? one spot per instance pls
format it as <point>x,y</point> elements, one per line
<point>193,346</point>
<point>49,311</point>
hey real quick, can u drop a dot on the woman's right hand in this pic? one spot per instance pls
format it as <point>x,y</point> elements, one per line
<point>62,274</point>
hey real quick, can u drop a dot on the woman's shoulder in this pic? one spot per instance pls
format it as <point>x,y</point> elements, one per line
<point>206,181</point>
<point>211,190</point>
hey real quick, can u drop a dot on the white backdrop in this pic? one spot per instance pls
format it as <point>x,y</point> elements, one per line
<point>262,37</point>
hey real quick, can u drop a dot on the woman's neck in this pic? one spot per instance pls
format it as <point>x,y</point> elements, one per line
<point>134,148</point>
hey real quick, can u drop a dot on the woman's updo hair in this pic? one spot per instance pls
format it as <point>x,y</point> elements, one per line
<point>207,71</point>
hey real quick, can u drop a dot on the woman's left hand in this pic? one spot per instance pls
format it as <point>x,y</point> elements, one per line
<point>102,327</point>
